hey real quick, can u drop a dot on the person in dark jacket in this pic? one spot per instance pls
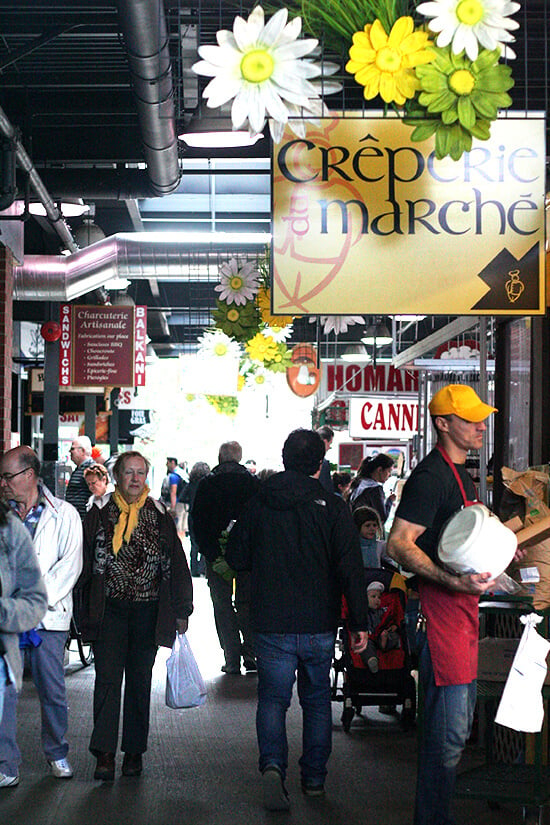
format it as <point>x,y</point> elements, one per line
<point>302,549</point>
<point>77,492</point>
<point>199,470</point>
<point>219,500</point>
<point>367,488</point>
<point>327,434</point>
<point>136,594</point>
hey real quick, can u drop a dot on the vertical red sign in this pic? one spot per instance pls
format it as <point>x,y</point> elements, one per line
<point>140,345</point>
<point>65,343</point>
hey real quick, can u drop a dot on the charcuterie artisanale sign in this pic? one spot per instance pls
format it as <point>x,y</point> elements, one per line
<point>102,345</point>
<point>365,221</point>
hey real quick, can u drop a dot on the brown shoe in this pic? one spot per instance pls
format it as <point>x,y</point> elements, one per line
<point>105,768</point>
<point>131,764</point>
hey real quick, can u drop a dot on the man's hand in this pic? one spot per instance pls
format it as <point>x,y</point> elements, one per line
<point>181,626</point>
<point>359,641</point>
<point>474,583</point>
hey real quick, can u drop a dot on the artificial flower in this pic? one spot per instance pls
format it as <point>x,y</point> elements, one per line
<point>263,299</point>
<point>462,96</point>
<point>258,65</point>
<point>238,284</point>
<point>384,64</point>
<point>224,404</point>
<point>468,24</point>
<point>239,322</point>
<point>218,344</point>
<point>258,378</point>
<point>261,348</point>
<point>337,323</point>
<point>279,334</point>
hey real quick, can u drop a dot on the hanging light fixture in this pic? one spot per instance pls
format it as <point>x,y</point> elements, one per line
<point>69,208</point>
<point>377,334</point>
<point>355,353</point>
<point>214,130</point>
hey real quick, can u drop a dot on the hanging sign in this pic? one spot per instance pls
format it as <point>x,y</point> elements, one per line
<point>365,221</point>
<point>102,346</point>
<point>350,379</point>
<point>376,417</point>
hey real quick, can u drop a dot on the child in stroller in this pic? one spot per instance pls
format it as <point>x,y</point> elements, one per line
<point>391,683</point>
<point>383,630</point>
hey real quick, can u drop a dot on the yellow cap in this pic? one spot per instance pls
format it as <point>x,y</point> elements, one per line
<point>458,399</point>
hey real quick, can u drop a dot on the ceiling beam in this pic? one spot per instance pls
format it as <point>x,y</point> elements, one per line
<point>461,324</point>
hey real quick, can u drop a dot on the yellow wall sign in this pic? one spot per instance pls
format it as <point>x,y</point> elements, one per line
<point>366,221</point>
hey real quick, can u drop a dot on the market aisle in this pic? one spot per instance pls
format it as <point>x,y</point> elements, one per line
<point>201,767</point>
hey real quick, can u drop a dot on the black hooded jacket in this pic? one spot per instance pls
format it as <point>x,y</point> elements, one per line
<point>302,548</point>
<point>219,499</point>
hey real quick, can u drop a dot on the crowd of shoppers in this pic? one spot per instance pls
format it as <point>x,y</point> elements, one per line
<point>281,553</point>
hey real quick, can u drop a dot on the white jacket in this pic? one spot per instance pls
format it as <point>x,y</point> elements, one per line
<point>58,545</point>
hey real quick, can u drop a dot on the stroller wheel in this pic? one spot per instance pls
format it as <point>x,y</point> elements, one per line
<point>347,717</point>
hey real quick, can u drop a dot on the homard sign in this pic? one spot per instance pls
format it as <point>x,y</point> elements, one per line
<point>366,221</point>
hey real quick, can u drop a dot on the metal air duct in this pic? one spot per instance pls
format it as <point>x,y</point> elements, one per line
<point>132,255</point>
<point>143,24</point>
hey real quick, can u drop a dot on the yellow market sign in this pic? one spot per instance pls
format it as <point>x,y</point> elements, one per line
<point>366,221</point>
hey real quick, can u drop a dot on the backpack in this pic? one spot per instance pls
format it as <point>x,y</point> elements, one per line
<point>180,491</point>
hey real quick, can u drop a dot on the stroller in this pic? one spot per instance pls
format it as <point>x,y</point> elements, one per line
<point>353,682</point>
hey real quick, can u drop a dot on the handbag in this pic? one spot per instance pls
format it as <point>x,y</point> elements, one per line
<point>185,686</point>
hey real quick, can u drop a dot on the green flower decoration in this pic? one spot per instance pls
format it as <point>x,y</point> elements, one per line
<point>239,322</point>
<point>458,99</point>
<point>224,404</point>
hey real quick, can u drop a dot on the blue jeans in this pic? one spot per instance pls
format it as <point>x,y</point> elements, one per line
<point>279,657</point>
<point>447,723</point>
<point>46,663</point>
<point>3,683</point>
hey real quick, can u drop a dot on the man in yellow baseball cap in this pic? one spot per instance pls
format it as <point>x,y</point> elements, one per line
<point>447,640</point>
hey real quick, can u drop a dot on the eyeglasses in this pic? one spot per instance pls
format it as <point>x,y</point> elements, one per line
<point>9,476</point>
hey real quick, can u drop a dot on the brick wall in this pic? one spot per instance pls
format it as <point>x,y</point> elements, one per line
<point>6,345</point>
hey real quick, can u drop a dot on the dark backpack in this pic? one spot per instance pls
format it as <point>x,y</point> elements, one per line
<point>180,492</point>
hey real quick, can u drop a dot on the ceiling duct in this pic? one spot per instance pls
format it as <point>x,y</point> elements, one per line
<point>133,256</point>
<point>143,24</point>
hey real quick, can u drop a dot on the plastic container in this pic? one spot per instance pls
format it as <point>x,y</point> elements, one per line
<point>474,540</point>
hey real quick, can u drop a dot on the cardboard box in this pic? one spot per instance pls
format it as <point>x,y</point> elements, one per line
<point>495,659</point>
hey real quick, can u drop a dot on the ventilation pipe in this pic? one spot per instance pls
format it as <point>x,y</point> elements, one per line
<point>54,215</point>
<point>143,24</point>
<point>126,255</point>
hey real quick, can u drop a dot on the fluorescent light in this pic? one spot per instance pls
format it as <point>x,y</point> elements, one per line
<point>198,237</point>
<point>218,140</point>
<point>69,209</point>
<point>116,284</point>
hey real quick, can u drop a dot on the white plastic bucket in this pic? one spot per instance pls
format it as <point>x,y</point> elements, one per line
<point>474,540</point>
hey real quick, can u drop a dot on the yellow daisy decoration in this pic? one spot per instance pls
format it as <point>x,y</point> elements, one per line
<point>384,64</point>
<point>262,348</point>
<point>263,300</point>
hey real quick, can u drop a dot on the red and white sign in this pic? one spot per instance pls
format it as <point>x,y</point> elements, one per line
<point>383,418</point>
<point>102,346</point>
<point>362,379</point>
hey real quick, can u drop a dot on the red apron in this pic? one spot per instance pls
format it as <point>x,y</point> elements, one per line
<point>452,621</point>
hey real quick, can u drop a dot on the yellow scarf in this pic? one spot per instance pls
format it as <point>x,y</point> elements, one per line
<point>128,518</point>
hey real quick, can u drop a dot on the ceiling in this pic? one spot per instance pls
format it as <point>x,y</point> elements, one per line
<point>97,93</point>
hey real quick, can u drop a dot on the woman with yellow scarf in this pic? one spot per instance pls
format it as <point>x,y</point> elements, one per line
<point>136,593</point>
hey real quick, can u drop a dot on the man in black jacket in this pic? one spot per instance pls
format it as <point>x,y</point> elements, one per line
<point>219,501</point>
<point>302,549</point>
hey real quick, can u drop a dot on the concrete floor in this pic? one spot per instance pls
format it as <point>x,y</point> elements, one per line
<point>201,766</point>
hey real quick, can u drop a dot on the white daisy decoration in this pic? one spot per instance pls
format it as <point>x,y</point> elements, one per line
<point>259,378</point>
<point>279,334</point>
<point>337,323</point>
<point>469,24</point>
<point>218,344</point>
<point>258,65</point>
<point>238,284</point>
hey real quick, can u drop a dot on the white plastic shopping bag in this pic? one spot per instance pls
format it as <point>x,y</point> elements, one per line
<point>521,706</point>
<point>185,686</point>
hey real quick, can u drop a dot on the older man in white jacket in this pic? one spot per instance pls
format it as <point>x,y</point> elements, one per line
<point>56,531</point>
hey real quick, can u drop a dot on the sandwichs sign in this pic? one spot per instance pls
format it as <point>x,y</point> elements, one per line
<point>102,346</point>
<point>366,221</point>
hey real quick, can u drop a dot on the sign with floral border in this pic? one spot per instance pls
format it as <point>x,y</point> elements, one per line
<point>367,221</point>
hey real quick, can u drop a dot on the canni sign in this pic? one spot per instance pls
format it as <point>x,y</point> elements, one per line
<point>365,221</point>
